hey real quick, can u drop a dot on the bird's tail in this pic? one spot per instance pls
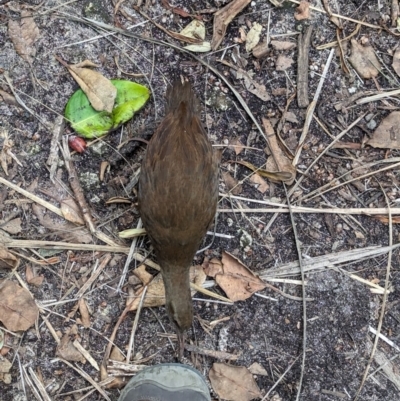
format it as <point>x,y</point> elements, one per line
<point>181,94</point>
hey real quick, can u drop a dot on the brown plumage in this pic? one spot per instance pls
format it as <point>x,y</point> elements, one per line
<point>178,193</point>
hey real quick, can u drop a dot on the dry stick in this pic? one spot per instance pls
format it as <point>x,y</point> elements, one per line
<point>328,260</point>
<point>296,239</point>
<point>129,258</point>
<point>94,276</point>
<point>395,12</point>
<point>384,300</point>
<point>134,327</point>
<point>80,197</point>
<point>86,377</point>
<point>337,138</point>
<point>341,16</point>
<point>280,379</point>
<point>329,186</point>
<point>307,123</point>
<point>304,42</point>
<point>299,209</point>
<point>311,108</point>
<point>379,96</point>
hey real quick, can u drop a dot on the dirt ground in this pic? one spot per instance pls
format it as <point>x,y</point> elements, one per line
<point>342,305</point>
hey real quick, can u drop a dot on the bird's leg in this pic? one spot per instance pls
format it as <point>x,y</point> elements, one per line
<point>181,343</point>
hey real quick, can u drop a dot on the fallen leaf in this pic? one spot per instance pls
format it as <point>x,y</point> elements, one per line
<point>302,11</point>
<point>84,311</point>
<point>283,62</point>
<point>272,175</point>
<point>200,48</point>
<point>279,161</point>
<point>5,366</point>
<point>8,99</point>
<point>261,50</point>
<point>252,86</point>
<point>223,17</point>
<point>155,294</point>
<point>231,183</point>
<point>257,369</point>
<point>32,277</point>
<point>253,37</point>
<point>195,29</point>
<point>238,282</point>
<point>68,231</point>
<point>71,211</point>
<point>99,90</point>
<point>277,45</point>
<point>67,350</point>
<point>395,64</point>
<point>13,226</point>
<point>364,60</point>
<point>18,310</point>
<point>7,259</point>
<point>233,383</point>
<point>6,154</point>
<point>260,184</point>
<point>387,134</point>
<point>236,145</point>
<point>24,33</point>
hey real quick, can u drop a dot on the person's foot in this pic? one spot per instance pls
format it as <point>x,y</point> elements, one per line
<point>166,382</point>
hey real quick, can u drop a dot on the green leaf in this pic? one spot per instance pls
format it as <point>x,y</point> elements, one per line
<point>131,97</point>
<point>89,123</point>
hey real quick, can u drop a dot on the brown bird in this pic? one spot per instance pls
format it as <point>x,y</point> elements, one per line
<point>178,193</point>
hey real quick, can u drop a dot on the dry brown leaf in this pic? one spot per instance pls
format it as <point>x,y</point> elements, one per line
<point>396,61</point>
<point>67,350</point>
<point>253,37</point>
<point>364,60</point>
<point>24,33</point>
<point>302,11</point>
<point>283,62</point>
<point>155,294</point>
<point>68,231</point>
<point>252,86</point>
<point>84,311</point>
<point>257,369</point>
<point>234,383</point>
<point>18,310</point>
<point>238,282</point>
<point>223,17</point>
<point>7,259</point>
<point>32,277</point>
<point>272,175</point>
<point>231,183</point>
<point>5,366</point>
<point>279,161</point>
<point>99,90</point>
<point>8,99</point>
<point>13,226</point>
<point>71,211</point>
<point>6,154</point>
<point>260,184</point>
<point>387,135</point>
<point>237,145</point>
<point>385,219</point>
<point>195,29</point>
<point>143,275</point>
<point>261,50</point>
<point>277,45</point>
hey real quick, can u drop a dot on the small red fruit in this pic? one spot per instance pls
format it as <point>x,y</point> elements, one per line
<point>77,143</point>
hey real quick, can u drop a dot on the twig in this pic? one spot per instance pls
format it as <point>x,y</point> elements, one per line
<point>134,327</point>
<point>384,300</point>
